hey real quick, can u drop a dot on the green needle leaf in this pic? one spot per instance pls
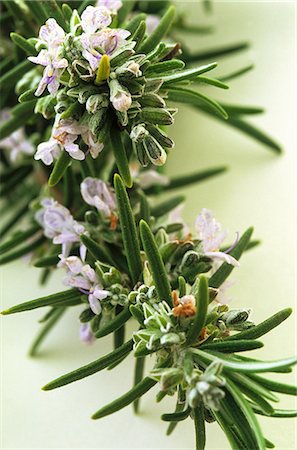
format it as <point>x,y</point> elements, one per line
<point>214,53</point>
<point>176,416</point>
<point>116,323</point>
<point>225,347</point>
<point>59,169</point>
<point>156,263</point>
<point>124,11</point>
<point>186,180</point>
<point>161,30</point>
<point>224,271</point>
<point>47,261</point>
<point>96,250</point>
<point>90,368</point>
<point>49,324</point>
<point>48,300</point>
<point>263,327</point>
<point>138,376</point>
<point>136,392</point>
<point>52,9</point>
<point>183,95</point>
<point>121,157</point>
<point>199,426</point>
<point>201,294</point>
<point>168,205</point>
<point>128,229</point>
<point>135,22</point>
<point>250,383</point>
<point>23,43</point>
<point>275,386</point>
<point>248,412</point>
<point>188,74</point>
<point>237,73</point>
<point>254,367</point>
<point>6,258</point>
<point>280,413</point>
<point>18,237</point>
<point>212,82</point>
<point>10,78</point>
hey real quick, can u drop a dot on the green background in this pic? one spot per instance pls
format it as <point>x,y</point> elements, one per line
<point>259,190</point>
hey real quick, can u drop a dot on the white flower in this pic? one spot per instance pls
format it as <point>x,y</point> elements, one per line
<point>84,278</point>
<point>97,193</point>
<point>59,225</point>
<point>95,18</point>
<point>211,236</point>
<point>16,143</point>
<point>48,151</point>
<point>112,5</point>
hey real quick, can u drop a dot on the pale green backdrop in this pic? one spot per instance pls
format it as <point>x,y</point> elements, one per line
<point>259,190</point>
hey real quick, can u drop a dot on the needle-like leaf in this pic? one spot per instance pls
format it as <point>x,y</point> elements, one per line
<point>90,368</point>
<point>128,229</point>
<point>240,346</point>
<point>48,325</point>
<point>254,367</point>
<point>201,294</point>
<point>161,30</point>
<point>263,327</point>
<point>200,426</point>
<point>59,169</point>
<point>121,157</point>
<point>49,300</point>
<point>117,322</point>
<point>156,263</point>
<point>184,95</point>
<point>136,392</point>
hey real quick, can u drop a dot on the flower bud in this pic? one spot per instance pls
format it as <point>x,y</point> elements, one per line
<point>138,133</point>
<point>119,96</point>
<point>155,152</point>
<point>95,102</point>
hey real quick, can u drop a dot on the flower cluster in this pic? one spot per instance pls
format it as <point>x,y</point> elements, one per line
<point>97,78</point>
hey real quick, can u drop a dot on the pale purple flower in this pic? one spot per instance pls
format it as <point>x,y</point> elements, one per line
<point>152,22</point>
<point>84,278</point>
<point>97,193</point>
<point>64,134</point>
<point>221,296</point>
<point>59,225</point>
<point>211,236</point>
<point>16,143</point>
<point>112,5</point>
<point>94,147</point>
<point>51,35</point>
<point>149,178</point>
<point>95,18</point>
<point>85,333</point>
<point>107,40</point>
<point>175,216</point>
<point>48,151</point>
